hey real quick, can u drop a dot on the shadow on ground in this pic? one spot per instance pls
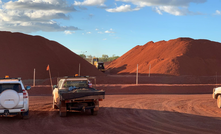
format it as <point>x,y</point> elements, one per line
<point>112,120</point>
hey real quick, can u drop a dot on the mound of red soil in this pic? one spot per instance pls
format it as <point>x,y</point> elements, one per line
<point>182,56</point>
<point>21,53</point>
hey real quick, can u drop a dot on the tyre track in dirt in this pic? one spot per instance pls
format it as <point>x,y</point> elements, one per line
<point>178,107</point>
<point>159,119</point>
<point>123,114</point>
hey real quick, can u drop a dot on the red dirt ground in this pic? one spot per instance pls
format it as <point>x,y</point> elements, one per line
<point>182,56</point>
<point>116,89</point>
<point>125,109</point>
<point>21,53</point>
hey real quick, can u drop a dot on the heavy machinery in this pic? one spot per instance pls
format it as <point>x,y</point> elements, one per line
<point>98,65</point>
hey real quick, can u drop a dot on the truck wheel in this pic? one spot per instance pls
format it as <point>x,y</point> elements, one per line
<point>25,115</point>
<point>93,112</point>
<point>219,101</point>
<point>54,106</point>
<point>62,109</point>
<point>62,114</point>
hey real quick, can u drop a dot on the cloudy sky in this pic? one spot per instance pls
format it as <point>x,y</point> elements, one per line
<point>96,27</point>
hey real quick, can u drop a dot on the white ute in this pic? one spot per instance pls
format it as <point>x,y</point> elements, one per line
<point>13,97</point>
<point>76,94</point>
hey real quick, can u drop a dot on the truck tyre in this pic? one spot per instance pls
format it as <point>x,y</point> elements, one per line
<point>62,114</point>
<point>54,106</point>
<point>219,101</point>
<point>62,109</point>
<point>93,112</point>
<point>25,115</point>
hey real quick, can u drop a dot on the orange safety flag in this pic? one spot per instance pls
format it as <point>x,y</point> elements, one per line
<point>47,68</point>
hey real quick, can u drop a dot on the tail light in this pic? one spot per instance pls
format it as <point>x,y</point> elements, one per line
<point>100,99</point>
<point>24,94</point>
<point>90,85</point>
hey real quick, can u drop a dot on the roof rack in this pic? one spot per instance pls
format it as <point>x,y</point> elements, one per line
<point>19,78</point>
<point>66,77</point>
<point>76,76</point>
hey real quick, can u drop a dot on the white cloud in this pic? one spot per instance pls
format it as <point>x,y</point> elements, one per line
<point>144,3</point>
<point>90,3</point>
<point>100,32</point>
<point>0,2</point>
<point>109,31</point>
<point>122,8</point>
<point>88,32</point>
<point>172,10</point>
<point>218,12</point>
<point>68,32</point>
<point>158,10</point>
<point>46,5</point>
<point>34,15</point>
<point>96,29</point>
<point>174,7</point>
<point>91,15</point>
<point>105,39</point>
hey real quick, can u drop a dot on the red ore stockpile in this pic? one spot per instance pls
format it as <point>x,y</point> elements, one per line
<point>181,56</point>
<point>21,53</point>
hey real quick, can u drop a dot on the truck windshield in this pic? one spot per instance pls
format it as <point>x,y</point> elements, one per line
<point>81,84</point>
<point>13,86</point>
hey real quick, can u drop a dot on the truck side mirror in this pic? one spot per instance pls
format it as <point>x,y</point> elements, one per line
<point>27,87</point>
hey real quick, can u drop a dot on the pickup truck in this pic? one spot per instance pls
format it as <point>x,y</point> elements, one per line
<point>76,94</point>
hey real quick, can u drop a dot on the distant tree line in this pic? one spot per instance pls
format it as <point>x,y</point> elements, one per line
<point>104,58</point>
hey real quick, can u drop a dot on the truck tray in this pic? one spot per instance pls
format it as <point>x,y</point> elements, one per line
<point>75,95</point>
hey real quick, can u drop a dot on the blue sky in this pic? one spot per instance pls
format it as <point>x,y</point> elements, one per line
<point>96,27</point>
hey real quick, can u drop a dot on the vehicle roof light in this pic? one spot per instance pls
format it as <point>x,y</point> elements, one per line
<point>6,76</point>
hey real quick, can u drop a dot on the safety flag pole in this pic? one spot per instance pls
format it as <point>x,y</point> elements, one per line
<point>79,73</point>
<point>48,69</point>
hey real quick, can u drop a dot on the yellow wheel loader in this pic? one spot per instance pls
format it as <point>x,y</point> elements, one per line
<point>98,65</point>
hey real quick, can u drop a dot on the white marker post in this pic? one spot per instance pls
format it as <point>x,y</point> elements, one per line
<point>137,75</point>
<point>34,78</point>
